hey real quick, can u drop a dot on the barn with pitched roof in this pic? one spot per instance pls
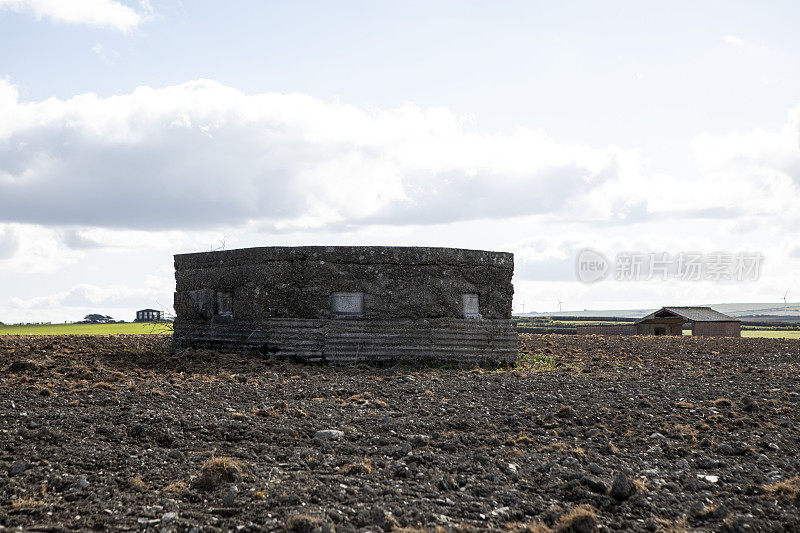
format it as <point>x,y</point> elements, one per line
<point>704,321</point>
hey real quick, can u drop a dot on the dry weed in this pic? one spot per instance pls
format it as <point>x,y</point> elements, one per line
<point>27,503</point>
<point>363,467</point>
<point>301,523</point>
<point>581,518</point>
<point>178,486</point>
<point>789,489</point>
<point>138,484</point>
<point>218,470</point>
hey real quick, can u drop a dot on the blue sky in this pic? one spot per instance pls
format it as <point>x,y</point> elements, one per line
<point>133,130</point>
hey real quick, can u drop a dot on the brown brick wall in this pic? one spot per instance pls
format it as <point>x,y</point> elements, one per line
<point>717,329</point>
<point>625,329</point>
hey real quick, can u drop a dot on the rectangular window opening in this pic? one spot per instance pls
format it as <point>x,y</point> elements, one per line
<point>347,304</point>
<point>224,303</point>
<point>471,308</point>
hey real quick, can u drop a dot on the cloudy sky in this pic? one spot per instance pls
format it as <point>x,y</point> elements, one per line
<point>132,130</point>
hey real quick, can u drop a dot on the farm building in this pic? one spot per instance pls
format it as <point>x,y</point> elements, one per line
<point>670,321</point>
<point>345,303</point>
<point>704,321</point>
<point>148,315</point>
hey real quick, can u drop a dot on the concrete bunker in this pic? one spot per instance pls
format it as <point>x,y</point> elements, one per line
<point>346,303</point>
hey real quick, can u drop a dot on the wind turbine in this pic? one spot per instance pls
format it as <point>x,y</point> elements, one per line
<point>785,311</point>
<point>559,305</point>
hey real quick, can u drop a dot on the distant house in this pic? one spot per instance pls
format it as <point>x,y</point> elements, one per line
<point>704,321</point>
<point>148,315</point>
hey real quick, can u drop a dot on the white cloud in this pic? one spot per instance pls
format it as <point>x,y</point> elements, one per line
<point>33,249</point>
<point>758,150</point>
<point>108,55</point>
<point>9,242</point>
<point>758,171</point>
<point>86,295</point>
<point>118,300</point>
<point>545,267</point>
<point>102,13</point>
<point>750,47</point>
<point>202,154</point>
<point>181,168</point>
<point>90,238</point>
<point>733,40</point>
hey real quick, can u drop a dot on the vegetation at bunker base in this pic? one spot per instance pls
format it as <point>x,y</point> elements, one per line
<point>128,328</point>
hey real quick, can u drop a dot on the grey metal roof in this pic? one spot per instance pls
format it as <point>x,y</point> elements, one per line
<point>694,314</point>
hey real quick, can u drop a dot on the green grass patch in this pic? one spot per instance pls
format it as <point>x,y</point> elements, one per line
<point>128,328</point>
<point>539,362</point>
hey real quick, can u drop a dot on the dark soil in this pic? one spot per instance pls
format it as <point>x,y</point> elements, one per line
<point>586,433</point>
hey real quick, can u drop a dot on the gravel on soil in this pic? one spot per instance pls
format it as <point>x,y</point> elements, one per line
<point>583,434</point>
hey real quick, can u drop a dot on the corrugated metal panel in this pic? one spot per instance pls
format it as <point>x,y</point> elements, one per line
<point>352,340</point>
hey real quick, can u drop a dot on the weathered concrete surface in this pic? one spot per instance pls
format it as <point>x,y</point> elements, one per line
<point>282,282</point>
<point>282,301</point>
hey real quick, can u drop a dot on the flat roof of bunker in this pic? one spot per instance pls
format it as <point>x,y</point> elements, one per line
<point>410,255</point>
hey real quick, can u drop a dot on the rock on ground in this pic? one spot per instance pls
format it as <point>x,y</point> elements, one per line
<point>564,441</point>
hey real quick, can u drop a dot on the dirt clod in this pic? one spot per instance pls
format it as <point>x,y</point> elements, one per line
<point>623,487</point>
<point>586,433</point>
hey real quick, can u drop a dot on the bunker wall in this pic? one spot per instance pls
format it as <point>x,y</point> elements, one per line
<point>276,283</point>
<point>418,302</point>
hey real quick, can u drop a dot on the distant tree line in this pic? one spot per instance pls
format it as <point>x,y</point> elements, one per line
<point>99,319</point>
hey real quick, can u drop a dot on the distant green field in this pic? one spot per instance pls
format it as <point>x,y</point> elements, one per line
<point>765,333</point>
<point>131,328</point>
<point>771,333</point>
